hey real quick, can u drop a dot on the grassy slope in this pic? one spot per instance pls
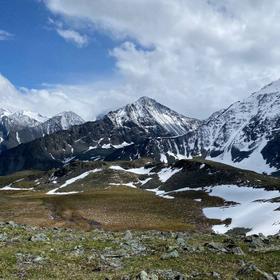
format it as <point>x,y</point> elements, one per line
<point>119,208</point>
<point>116,208</point>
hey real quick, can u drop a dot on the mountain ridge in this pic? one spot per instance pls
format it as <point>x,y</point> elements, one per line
<point>24,126</point>
<point>238,135</point>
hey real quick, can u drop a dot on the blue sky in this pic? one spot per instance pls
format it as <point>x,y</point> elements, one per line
<point>37,54</point>
<point>91,56</point>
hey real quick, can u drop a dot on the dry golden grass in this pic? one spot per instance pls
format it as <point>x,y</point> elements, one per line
<point>116,208</point>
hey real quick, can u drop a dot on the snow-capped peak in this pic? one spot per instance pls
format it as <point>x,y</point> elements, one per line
<point>23,119</point>
<point>272,87</point>
<point>33,115</point>
<point>240,132</point>
<point>68,119</point>
<point>4,112</point>
<point>150,115</point>
<point>145,100</point>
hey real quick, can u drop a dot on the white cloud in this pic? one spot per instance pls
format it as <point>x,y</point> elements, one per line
<point>69,35</point>
<point>4,35</point>
<point>196,56</point>
<point>73,36</point>
<point>58,98</point>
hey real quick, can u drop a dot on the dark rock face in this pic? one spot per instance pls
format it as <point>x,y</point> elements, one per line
<point>88,141</point>
<point>271,151</point>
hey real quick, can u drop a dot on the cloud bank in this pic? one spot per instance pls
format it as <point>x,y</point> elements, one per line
<point>194,56</point>
<point>197,56</point>
<point>88,100</point>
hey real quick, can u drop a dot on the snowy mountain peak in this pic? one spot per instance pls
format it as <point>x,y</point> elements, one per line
<point>4,112</point>
<point>23,119</point>
<point>272,87</point>
<point>144,100</point>
<point>153,117</point>
<point>32,115</point>
<point>68,119</point>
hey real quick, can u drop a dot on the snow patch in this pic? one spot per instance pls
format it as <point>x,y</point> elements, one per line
<point>252,211</point>
<point>131,185</point>
<point>73,180</point>
<point>124,144</point>
<point>18,139</point>
<point>139,171</point>
<point>163,158</point>
<point>160,193</point>
<point>10,188</point>
<point>166,173</point>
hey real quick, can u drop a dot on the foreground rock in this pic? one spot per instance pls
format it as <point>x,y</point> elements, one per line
<point>56,253</point>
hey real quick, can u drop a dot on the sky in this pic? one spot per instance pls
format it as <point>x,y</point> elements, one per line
<point>92,56</point>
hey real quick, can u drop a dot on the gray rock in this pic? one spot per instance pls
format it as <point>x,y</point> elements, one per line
<point>40,237</point>
<point>216,275</point>
<point>255,241</point>
<point>247,269</point>
<point>78,251</point>
<point>216,247</point>
<point>237,251</point>
<point>11,223</point>
<point>169,274</point>
<point>114,263</point>
<point>3,237</point>
<point>170,255</point>
<point>128,235</point>
<point>134,247</point>
<point>38,260</point>
<point>252,268</point>
<point>181,242</point>
<point>265,249</point>
<point>29,259</point>
<point>276,275</point>
<point>143,275</point>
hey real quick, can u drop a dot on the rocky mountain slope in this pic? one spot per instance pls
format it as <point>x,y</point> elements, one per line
<point>24,126</point>
<point>157,120</point>
<point>246,134</point>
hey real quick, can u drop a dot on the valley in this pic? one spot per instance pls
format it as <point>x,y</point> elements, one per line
<point>180,189</point>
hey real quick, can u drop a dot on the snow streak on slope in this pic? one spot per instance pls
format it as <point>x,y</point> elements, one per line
<point>166,173</point>
<point>71,181</point>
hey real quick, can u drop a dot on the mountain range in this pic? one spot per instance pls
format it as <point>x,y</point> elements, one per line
<point>24,126</point>
<point>246,135</point>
